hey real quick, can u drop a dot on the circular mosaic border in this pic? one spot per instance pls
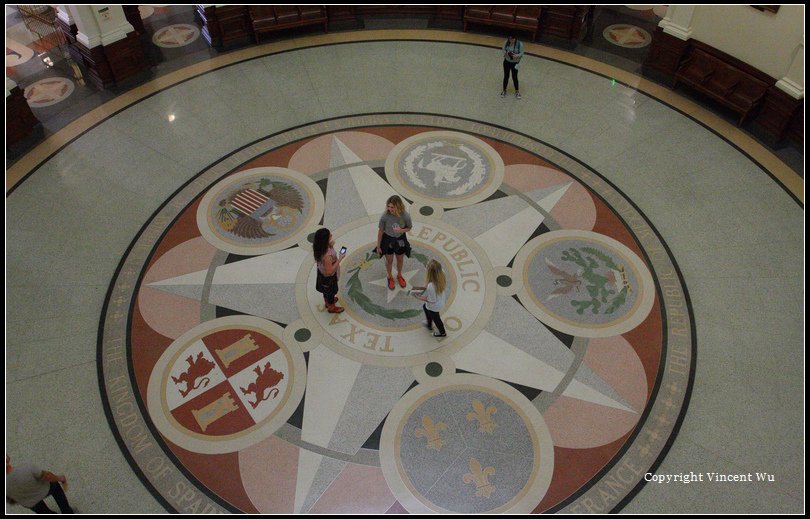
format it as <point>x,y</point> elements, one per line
<point>352,307</point>
<point>616,483</point>
<point>23,53</point>
<point>542,445</point>
<point>195,33</point>
<point>145,11</point>
<point>307,298</point>
<point>492,164</point>
<point>70,87</point>
<point>308,225</point>
<point>289,399</point>
<point>622,323</point>
<point>645,36</point>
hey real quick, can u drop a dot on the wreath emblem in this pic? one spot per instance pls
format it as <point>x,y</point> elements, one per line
<point>444,167</point>
<point>609,288</point>
<point>355,292</point>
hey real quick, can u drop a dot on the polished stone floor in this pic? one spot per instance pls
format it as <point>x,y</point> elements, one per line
<point>129,266</point>
<point>47,61</point>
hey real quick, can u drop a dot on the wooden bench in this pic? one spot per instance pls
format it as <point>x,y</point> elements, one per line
<point>517,17</point>
<point>270,18</point>
<point>722,81</point>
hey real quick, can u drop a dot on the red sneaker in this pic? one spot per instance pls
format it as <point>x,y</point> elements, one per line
<point>390,283</point>
<point>401,280</point>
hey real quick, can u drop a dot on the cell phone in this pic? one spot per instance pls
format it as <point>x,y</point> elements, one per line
<point>343,250</point>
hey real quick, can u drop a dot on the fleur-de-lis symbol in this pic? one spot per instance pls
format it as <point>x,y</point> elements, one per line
<point>479,476</point>
<point>482,414</point>
<point>430,431</point>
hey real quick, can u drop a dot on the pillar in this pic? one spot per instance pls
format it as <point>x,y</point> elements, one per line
<point>109,45</point>
<point>670,40</point>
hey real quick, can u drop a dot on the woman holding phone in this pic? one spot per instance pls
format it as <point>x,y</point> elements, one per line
<point>512,54</point>
<point>328,263</point>
<point>434,295</point>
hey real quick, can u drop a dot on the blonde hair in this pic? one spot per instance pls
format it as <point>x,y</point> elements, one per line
<point>435,275</point>
<point>396,201</point>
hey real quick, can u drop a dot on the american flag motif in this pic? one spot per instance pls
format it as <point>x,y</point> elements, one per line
<point>249,200</point>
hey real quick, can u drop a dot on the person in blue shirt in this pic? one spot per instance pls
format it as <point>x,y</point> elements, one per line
<point>512,54</point>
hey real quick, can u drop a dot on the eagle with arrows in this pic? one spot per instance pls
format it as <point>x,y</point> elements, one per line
<point>256,208</point>
<point>565,281</point>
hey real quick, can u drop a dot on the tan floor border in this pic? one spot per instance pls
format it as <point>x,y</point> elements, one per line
<point>786,176</point>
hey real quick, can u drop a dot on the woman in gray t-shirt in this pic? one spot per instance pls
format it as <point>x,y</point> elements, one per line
<point>391,238</point>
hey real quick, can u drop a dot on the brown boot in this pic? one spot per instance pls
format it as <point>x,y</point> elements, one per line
<point>334,309</point>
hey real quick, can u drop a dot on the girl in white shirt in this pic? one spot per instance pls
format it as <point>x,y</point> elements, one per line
<point>434,296</point>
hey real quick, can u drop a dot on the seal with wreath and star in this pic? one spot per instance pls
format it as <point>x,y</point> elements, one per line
<point>562,381</point>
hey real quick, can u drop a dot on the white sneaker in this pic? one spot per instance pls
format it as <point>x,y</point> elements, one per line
<point>517,95</point>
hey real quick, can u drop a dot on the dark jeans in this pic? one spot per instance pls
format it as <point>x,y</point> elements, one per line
<point>329,297</point>
<point>433,317</point>
<point>506,68</point>
<point>59,495</point>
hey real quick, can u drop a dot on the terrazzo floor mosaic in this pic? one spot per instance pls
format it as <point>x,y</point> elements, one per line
<point>538,397</point>
<point>571,367</point>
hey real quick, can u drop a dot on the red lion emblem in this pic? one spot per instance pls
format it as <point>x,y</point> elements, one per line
<point>264,380</point>
<point>196,369</point>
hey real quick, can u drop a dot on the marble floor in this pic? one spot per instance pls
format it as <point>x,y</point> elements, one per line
<point>623,301</point>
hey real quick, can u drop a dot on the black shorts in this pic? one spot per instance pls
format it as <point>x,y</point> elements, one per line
<point>391,245</point>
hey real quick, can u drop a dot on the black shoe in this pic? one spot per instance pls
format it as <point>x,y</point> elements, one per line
<point>437,334</point>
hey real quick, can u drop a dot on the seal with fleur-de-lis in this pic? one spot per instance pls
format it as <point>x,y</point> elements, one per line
<point>430,430</point>
<point>483,415</point>
<point>480,476</point>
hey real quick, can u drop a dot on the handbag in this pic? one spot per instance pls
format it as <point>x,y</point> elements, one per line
<point>326,284</point>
